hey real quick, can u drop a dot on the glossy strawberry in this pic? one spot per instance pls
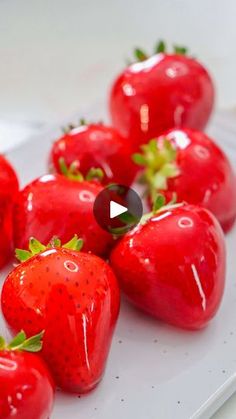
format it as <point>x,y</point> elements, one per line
<point>55,205</point>
<point>95,146</point>
<point>161,92</point>
<point>26,386</point>
<point>174,265</point>
<point>8,189</point>
<point>74,297</point>
<point>189,164</point>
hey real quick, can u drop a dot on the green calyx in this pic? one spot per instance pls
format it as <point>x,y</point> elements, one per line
<point>72,172</point>
<point>82,122</point>
<point>159,162</point>
<point>68,128</point>
<point>180,50</point>
<point>21,343</point>
<point>35,247</point>
<point>160,205</point>
<point>141,55</point>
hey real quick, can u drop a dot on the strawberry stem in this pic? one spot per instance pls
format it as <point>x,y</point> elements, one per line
<point>21,343</point>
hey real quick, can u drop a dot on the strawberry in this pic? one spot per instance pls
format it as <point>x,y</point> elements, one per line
<point>174,264</point>
<point>94,145</point>
<point>26,386</point>
<point>189,164</point>
<point>61,206</point>
<point>75,298</point>
<point>160,92</point>
<point>8,189</point>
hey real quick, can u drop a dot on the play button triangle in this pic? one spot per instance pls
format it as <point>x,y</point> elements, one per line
<point>116,209</point>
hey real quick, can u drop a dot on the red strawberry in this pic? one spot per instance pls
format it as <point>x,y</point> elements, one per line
<point>75,298</point>
<point>161,92</point>
<point>8,189</point>
<point>189,164</point>
<point>95,145</point>
<point>174,265</point>
<point>55,205</point>
<point>26,386</point>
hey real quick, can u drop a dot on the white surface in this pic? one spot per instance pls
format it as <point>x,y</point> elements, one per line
<point>13,133</point>
<point>156,371</point>
<point>116,209</point>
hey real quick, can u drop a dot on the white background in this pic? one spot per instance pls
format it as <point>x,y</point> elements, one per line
<point>58,56</point>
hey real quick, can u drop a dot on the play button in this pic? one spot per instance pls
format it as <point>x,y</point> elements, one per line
<point>117,209</point>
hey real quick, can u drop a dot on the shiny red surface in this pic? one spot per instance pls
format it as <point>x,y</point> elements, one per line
<point>75,298</point>
<point>206,176</point>
<point>8,189</point>
<point>173,267</point>
<point>54,205</point>
<point>96,145</point>
<point>162,92</point>
<point>26,387</point>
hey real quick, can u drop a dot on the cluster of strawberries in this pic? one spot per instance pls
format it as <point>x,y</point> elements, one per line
<point>63,302</point>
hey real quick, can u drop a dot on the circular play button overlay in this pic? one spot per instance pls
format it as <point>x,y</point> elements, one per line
<point>118,209</point>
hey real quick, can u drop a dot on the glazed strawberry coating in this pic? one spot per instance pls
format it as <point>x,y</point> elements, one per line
<point>26,386</point>
<point>56,206</point>
<point>205,175</point>
<point>8,189</point>
<point>8,179</point>
<point>96,146</point>
<point>75,298</point>
<point>161,92</point>
<point>174,266</point>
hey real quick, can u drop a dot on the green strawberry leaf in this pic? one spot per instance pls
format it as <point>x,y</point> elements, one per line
<point>160,205</point>
<point>22,255</point>
<point>159,161</point>
<point>2,343</point>
<point>95,173</point>
<point>74,244</point>
<point>35,246</point>
<point>72,172</point>
<point>140,55</point>
<point>54,242</point>
<point>17,340</point>
<point>21,343</point>
<point>82,121</point>
<point>159,202</point>
<point>180,50</point>
<point>139,159</point>
<point>33,344</point>
<point>160,47</point>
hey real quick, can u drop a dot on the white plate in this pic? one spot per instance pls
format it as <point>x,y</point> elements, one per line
<point>155,371</point>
